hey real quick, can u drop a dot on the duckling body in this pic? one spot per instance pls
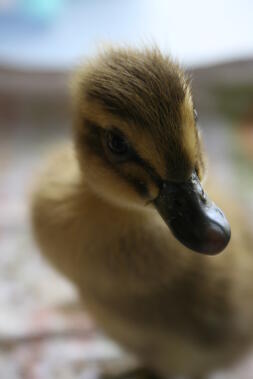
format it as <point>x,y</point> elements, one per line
<point>180,312</point>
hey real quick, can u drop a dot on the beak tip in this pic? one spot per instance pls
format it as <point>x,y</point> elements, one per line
<point>217,239</point>
<point>209,238</point>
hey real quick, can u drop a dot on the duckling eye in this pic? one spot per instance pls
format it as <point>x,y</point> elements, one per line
<point>195,113</point>
<point>116,143</point>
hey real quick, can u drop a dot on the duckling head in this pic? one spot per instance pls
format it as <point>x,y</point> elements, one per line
<point>138,143</point>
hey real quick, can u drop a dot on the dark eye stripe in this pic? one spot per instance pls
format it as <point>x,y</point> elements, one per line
<point>155,177</point>
<point>92,139</point>
<point>139,186</point>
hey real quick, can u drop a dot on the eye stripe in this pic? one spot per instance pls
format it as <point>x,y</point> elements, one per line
<point>149,169</point>
<point>92,139</point>
<point>139,186</point>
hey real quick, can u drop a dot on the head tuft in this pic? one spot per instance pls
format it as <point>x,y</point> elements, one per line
<point>146,96</point>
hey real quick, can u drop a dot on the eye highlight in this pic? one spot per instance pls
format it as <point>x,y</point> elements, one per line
<point>117,147</point>
<point>116,143</point>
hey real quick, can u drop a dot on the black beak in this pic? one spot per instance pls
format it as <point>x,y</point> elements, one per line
<point>193,219</point>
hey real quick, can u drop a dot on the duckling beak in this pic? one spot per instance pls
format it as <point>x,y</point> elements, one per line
<point>192,218</point>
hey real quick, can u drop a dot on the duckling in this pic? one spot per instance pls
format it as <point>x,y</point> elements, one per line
<point>122,213</point>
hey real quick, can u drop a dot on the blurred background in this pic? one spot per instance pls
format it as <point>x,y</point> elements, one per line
<point>44,333</point>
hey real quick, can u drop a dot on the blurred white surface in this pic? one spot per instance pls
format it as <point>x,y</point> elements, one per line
<point>195,31</point>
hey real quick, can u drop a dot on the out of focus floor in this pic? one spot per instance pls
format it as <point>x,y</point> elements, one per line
<point>44,332</point>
